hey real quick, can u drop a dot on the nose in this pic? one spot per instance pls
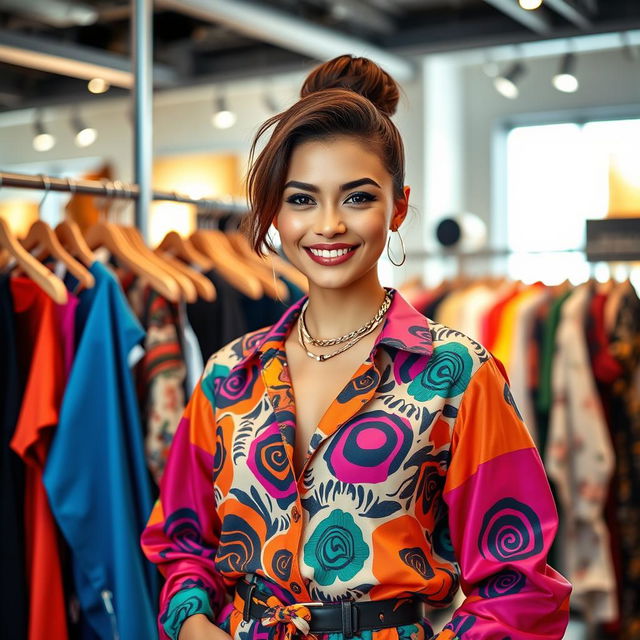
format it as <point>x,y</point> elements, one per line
<point>329,222</point>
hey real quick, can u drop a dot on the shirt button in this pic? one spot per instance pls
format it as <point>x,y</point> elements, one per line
<point>295,587</point>
<point>295,513</point>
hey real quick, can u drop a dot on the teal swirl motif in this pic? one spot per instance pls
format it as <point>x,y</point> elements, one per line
<point>185,603</point>
<point>446,375</point>
<point>336,550</point>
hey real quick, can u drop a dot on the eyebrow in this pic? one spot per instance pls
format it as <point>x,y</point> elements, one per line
<point>348,185</point>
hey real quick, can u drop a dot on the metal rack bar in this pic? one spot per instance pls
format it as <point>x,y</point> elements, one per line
<point>482,253</point>
<point>142,48</point>
<point>111,189</point>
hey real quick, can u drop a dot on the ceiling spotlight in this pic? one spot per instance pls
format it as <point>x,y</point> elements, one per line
<point>42,139</point>
<point>530,5</point>
<point>98,85</point>
<point>85,135</point>
<point>565,80</point>
<point>506,83</point>
<point>222,118</point>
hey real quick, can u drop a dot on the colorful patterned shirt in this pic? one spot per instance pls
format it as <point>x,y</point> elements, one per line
<point>419,478</point>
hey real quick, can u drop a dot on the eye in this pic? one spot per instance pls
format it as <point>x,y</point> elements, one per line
<point>300,199</point>
<point>361,197</point>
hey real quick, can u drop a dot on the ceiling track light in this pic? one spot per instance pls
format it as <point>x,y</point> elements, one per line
<point>42,139</point>
<point>98,85</point>
<point>222,117</point>
<point>530,5</point>
<point>507,83</point>
<point>565,80</point>
<point>85,135</point>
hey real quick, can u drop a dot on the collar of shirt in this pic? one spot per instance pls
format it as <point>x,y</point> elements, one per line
<point>404,328</point>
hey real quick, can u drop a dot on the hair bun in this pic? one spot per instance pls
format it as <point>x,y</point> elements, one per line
<point>357,74</point>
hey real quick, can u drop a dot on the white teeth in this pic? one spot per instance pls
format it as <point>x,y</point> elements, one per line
<point>326,253</point>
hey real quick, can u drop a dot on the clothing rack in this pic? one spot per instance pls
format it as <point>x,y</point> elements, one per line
<point>113,189</point>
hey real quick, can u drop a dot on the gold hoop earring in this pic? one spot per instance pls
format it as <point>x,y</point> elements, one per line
<point>404,253</point>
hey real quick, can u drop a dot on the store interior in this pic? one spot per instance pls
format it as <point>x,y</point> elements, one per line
<point>125,129</point>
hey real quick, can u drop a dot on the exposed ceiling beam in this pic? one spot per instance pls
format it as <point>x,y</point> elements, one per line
<point>74,60</point>
<point>289,32</point>
<point>56,13</point>
<point>537,21</point>
<point>570,12</point>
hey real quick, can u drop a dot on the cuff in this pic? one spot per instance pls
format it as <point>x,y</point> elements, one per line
<point>185,603</point>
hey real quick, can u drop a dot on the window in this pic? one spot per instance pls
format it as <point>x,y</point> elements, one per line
<point>558,176</point>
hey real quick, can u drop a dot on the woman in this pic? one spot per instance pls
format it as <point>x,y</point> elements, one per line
<point>399,469</point>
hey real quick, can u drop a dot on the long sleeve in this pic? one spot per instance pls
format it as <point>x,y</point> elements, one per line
<point>183,531</point>
<point>502,521</point>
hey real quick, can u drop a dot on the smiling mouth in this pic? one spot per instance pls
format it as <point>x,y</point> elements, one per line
<point>330,257</point>
<point>330,253</point>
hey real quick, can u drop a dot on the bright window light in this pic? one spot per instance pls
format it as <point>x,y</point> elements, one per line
<point>558,176</point>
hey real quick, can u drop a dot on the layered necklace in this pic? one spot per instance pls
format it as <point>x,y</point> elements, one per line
<point>347,340</point>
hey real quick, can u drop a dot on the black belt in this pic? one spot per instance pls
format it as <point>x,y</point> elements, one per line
<point>348,617</point>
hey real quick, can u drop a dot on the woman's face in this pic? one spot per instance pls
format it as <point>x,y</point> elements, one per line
<point>336,210</point>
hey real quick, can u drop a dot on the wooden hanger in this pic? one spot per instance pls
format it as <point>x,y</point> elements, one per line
<point>68,233</point>
<point>45,279</point>
<point>237,243</point>
<point>186,285</point>
<point>227,264</point>
<point>204,287</point>
<point>134,237</point>
<point>41,235</point>
<point>173,243</point>
<point>107,235</point>
<point>272,261</point>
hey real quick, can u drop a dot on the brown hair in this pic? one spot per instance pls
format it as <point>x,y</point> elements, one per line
<point>345,96</point>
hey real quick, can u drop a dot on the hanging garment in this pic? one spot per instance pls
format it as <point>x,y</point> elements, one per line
<point>547,352</point>
<point>160,375</point>
<point>521,313</point>
<point>492,318</point>
<point>191,349</point>
<point>478,300</point>
<point>625,397</point>
<point>217,323</point>
<point>14,602</point>
<point>606,370</point>
<point>100,497</point>
<point>579,459</point>
<point>67,322</point>
<point>41,355</point>
<point>419,477</point>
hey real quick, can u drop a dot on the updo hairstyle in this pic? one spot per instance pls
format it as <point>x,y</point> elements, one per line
<point>344,96</point>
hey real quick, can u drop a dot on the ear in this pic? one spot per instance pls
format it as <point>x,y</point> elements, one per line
<point>274,222</point>
<point>401,208</point>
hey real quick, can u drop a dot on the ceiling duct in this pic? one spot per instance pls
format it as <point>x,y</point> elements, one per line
<point>288,32</point>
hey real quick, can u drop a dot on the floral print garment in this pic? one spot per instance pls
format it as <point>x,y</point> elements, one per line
<point>419,478</point>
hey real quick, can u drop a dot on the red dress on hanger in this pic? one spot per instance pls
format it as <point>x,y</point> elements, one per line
<point>42,362</point>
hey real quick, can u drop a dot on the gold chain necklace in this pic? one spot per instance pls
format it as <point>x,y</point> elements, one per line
<point>363,330</point>
<point>356,335</point>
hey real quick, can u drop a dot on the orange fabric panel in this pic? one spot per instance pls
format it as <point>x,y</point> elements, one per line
<point>473,443</point>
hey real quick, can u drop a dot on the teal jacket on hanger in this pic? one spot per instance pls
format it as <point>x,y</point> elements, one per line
<point>96,479</point>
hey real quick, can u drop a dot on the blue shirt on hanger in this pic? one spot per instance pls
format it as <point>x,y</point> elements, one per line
<point>95,477</point>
